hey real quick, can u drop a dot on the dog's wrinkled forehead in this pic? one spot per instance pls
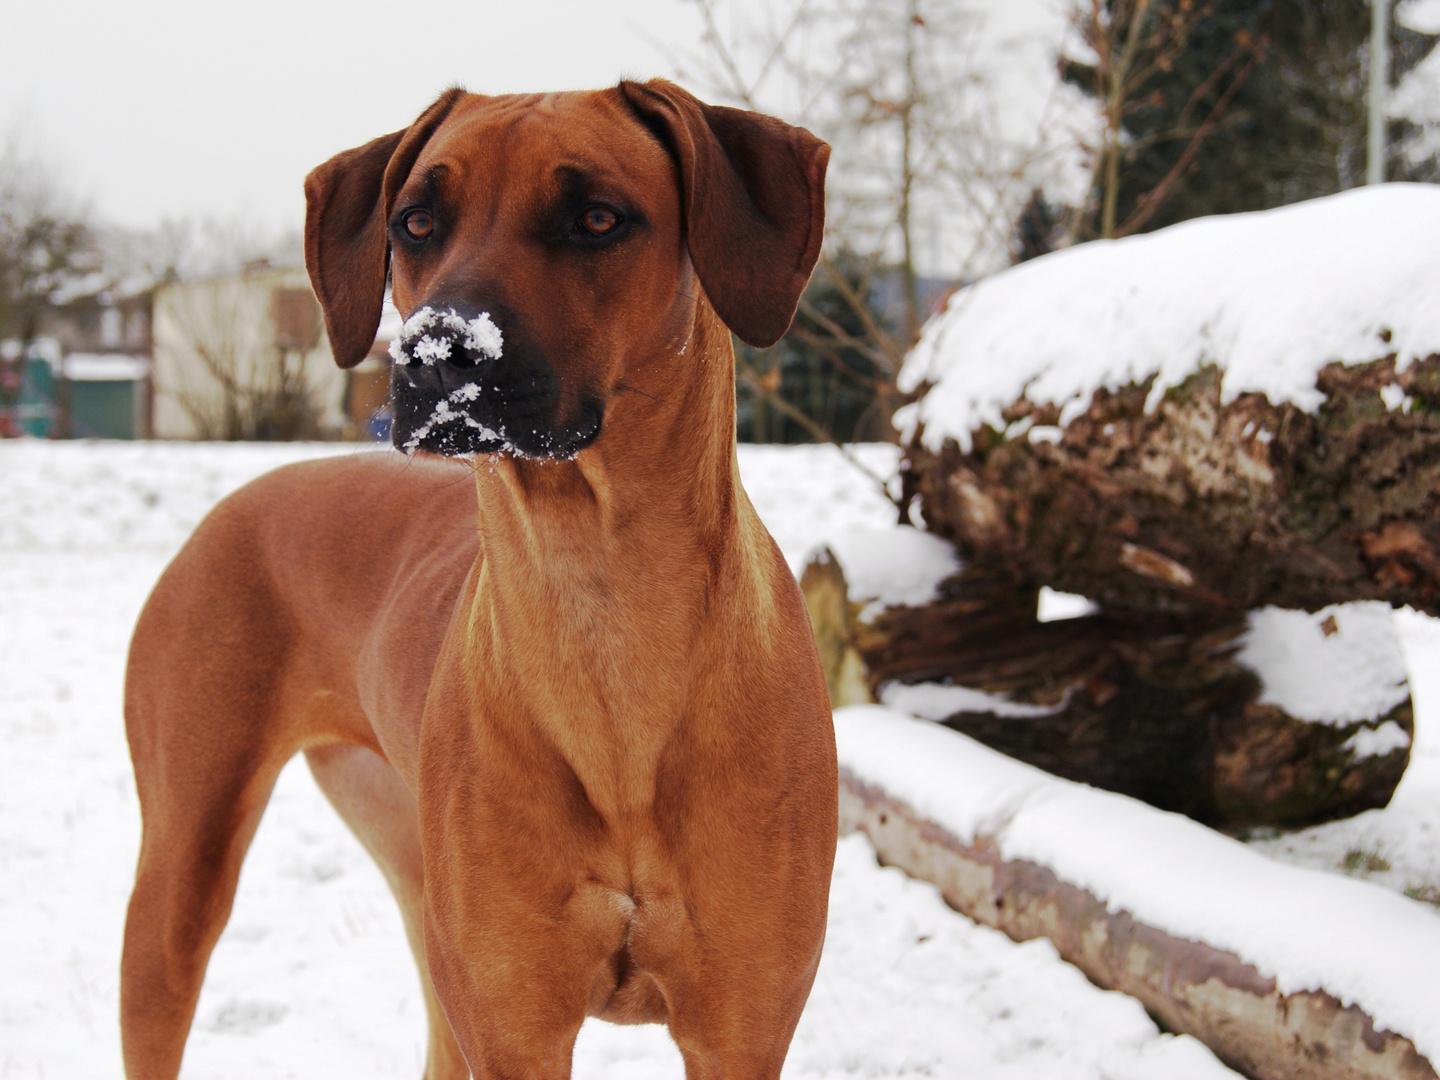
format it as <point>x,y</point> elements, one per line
<point>541,147</point>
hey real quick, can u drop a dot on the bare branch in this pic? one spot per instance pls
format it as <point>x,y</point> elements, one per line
<point>754,380</point>
<point>1151,201</point>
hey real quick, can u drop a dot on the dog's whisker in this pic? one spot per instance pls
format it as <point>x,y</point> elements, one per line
<point>626,388</point>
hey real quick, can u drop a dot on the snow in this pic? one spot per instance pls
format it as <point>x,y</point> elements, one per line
<point>1394,397</point>
<point>1269,297</point>
<point>1397,847</point>
<point>936,701</point>
<point>1378,741</point>
<point>312,977</point>
<point>891,567</point>
<point>418,340</point>
<point>809,494</point>
<point>1422,15</point>
<point>1341,665</point>
<point>1055,606</point>
<point>444,414</point>
<point>85,497</point>
<point>1308,930</point>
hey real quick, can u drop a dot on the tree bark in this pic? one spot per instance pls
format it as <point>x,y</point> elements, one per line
<point>1204,507</point>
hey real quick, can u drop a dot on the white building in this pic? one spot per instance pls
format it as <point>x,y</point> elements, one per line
<point>245,357</point>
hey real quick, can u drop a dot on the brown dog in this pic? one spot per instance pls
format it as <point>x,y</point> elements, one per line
<point>573,706</point>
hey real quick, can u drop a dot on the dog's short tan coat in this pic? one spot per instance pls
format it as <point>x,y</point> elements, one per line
<point>569,701</point>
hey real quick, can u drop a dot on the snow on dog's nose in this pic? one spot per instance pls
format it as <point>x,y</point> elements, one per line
<point>430,337</point>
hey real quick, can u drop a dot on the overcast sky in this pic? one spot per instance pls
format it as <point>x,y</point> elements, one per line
<point>174,108</point>
<point>218,108</point>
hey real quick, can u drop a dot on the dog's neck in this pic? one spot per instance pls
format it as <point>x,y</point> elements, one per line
<point>645,515</point>
<point>641,554</point>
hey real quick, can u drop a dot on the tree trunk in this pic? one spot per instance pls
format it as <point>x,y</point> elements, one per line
<point>1191,987</point>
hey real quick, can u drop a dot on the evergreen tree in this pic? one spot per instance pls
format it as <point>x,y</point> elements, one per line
<point>1237,105</point>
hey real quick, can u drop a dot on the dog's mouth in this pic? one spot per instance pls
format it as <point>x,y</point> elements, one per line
<point>450,429</point>
<point>456,392</point>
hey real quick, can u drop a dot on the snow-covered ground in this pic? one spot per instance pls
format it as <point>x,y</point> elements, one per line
<point>312,976</point>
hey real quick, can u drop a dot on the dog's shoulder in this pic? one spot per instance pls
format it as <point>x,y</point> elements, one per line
<point>364,479</point>
<point>348,508</point>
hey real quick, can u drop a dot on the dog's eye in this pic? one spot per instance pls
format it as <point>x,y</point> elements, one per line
<point>419,223</point>
<point>599,220</point>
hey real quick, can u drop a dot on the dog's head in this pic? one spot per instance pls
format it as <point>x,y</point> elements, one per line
<point>540,246</point>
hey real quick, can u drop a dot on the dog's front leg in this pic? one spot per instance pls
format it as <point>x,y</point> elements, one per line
<point>517,928</point>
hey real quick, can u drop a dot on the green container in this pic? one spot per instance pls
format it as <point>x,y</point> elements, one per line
<point>103,409</point>
<point>36,407</point>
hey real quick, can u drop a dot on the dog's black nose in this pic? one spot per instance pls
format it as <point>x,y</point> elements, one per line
<point>435,338</point>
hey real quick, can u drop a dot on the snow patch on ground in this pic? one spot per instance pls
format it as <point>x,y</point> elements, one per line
<point>1340,665</point>
<point>84,496</point>
<point>1269,297</point>
<point>313,976</point>
<point>1307,930</point>
<point>808,494</point>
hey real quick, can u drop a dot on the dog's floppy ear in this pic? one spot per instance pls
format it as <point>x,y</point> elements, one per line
<point>753,194</point>
<point>347,204</point>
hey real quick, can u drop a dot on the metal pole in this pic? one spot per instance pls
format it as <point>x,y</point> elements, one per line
<point>1379,83</point>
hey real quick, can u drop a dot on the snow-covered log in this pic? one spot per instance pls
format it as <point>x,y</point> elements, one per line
<point>1273,718</point>
<point>1230,413</point>
<point>1191,429</point>
<point>1286,974</point>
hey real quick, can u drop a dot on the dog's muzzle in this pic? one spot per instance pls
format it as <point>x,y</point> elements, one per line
<point>462,385</point>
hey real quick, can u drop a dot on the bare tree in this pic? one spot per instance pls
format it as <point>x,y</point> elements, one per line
<point>1132,42</point>
<point>46,246</point>
<point>932,163</point>
<point>241,347</point>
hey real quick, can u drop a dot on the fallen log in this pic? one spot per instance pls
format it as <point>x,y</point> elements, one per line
<point>1191,429</point>
<point>1284,976</point>
<point>1190,987</point>
<point>1174,712</point>
<point>1218,416</point>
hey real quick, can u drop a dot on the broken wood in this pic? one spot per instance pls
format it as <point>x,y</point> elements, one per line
<point>1202,506</point>
<point>1158,708</point>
